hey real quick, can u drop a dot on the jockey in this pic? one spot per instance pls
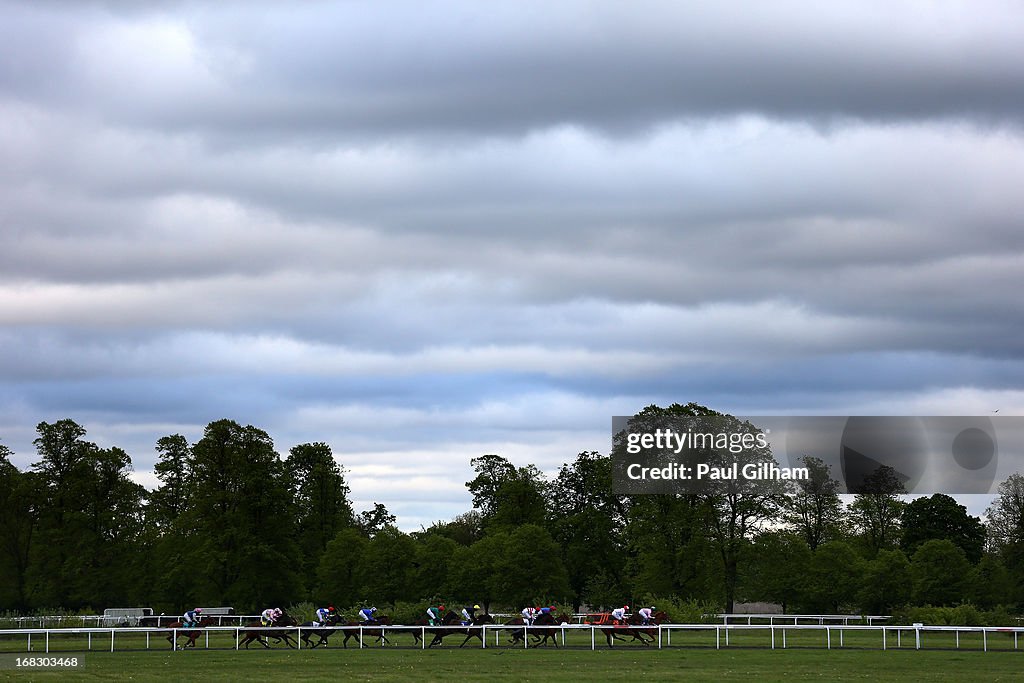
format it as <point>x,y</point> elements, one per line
<point>546,610</point>
<point>366,615</point>
<point>529,614</point>
<point>434,614</point>
<point>619,614</point>
<point>468,614</point>
<point>323,615</point>
<point>270,615</point>
<point>646,614</point>
<point>192,617</point>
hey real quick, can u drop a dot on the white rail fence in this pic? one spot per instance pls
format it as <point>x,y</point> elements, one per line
<point>832,636</point>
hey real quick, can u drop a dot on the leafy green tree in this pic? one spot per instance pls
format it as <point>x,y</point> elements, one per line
<point>491,472</point>
<point>776,568</point>
<point>173,469</point>
<point>835,576</point>
<point>940,570</point>
<point>668,551</point>
<point>991,584</point>
<point>941,517</point>
<point>877,510</point>
<point>371,522</point>
<point>338,571</point>
<point>244,540</point>
<point>386,568</point>
<point>114,523</point>
<point>814,509</point>
<point>531,568</point>
<point>734,509</point>
<point>1006,514</point>
<point>519,501</point>
<point>587,523</point>
<point>91,516</point>
<point>320,496</point>
<point>165,569</point>
<point>465,529</point>
<point>506,495</point>
<point>476,572</point>
<point>888,582</point>
<point>19,514</point>
<point>435,557</point>
<point>61,469</point>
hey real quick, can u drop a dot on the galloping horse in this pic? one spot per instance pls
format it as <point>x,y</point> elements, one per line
<point>322,632</point>
<point>635,629</point>
<point>449,619</point>
<point>478,620</point>
<point>190,634</point>
<point>541,636</point>
<point>454,620</point>
<point>284,620</point>
<point>377,633</point>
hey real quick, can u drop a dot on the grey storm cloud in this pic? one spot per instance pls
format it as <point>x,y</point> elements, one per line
<point>266,69</point>
<point>490,226</point>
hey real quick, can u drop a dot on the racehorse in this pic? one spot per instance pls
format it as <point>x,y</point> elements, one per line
<point>190,634</point>
<point>635,629</point>
<point>454,620</point>
<point>540,636</point>
<point>321,632</point>
<point>449,619</point>
<point>284,620</point>
<point>377,633</point>
<point>478,620</point>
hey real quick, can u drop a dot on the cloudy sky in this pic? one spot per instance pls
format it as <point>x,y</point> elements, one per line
<point>425,231</point>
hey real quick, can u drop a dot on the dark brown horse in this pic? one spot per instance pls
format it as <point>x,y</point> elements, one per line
<point>368,630</point>
<point>321,632</point>
<point>455,620</point>
<point>540,636</point>
<point>449,619</point>
<point>635,629</point>
<point>191,634</point>
<point>478,620</point>
<point>258,635</point>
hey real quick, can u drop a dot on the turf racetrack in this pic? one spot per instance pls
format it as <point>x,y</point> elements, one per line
<point>740,665</point>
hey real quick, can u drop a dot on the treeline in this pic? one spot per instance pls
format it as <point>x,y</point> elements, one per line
<point>235,523</point>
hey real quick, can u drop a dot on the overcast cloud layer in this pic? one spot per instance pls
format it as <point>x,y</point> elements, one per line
<point>422,232</point>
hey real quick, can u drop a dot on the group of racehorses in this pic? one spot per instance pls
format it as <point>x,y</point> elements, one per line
<point>538,631</point>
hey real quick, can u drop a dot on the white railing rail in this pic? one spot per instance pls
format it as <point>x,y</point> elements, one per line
<point>795,619</point>
<point>39,639</point>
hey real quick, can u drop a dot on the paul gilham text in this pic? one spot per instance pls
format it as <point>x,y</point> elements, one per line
<point>762,471</point>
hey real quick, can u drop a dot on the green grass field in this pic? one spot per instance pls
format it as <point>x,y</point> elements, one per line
<point>736,664</point>
<point>692,657</point>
